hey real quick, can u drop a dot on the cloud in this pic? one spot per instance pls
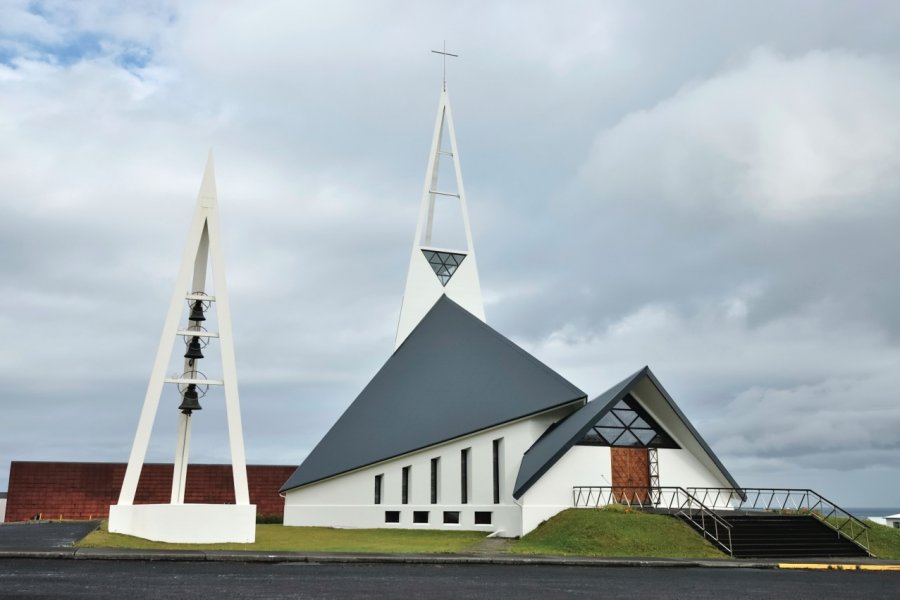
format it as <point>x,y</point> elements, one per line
<point>732,237</point>
<point>788,425</point>
<point>778,138</point>
<point>707,190</point>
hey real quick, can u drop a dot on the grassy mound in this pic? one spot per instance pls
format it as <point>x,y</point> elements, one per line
<point>615,531</point>
<point>884,542</point>
<point>310,539</point>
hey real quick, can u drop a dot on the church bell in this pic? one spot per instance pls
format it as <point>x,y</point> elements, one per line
<point>190,400</point>
<point>197,312</point>
<point>193,350</point>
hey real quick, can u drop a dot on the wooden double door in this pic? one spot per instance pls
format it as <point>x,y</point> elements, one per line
<point>630,475</point>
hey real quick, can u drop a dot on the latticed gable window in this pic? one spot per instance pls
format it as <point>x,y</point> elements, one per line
<point>628,424</point>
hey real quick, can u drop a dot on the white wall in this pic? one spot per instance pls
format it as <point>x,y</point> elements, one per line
<point>681,468</point>
<point>348,500</point>
<point>552,493</point>
<point>2,510</point>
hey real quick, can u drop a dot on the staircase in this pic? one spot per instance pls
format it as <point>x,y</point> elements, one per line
<point>758,522</point>
<point>767,535</point>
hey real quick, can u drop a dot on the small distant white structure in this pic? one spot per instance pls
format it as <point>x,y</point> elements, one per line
<point>179,522</point>
<point>2,507</point>
<point>893,521</point>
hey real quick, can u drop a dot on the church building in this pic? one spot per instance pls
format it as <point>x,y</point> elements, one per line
<point>463,429</point>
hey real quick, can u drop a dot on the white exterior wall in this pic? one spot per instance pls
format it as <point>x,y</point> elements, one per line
<point>681,468</point>
<point>552,493</point>
<point>348,500</point>
<point>893,521</point>
<point>2,510</point>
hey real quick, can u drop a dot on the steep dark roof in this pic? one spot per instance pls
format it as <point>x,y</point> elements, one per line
<point>452,376</point>
<point>561,436</point>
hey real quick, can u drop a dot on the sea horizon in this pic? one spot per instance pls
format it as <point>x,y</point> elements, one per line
<point>876,511</point>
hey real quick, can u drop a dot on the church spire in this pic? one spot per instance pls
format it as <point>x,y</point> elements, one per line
<point>435,270</point>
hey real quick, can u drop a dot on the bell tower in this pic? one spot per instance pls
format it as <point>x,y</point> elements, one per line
<point>179,521</point>
<point>435,268</point>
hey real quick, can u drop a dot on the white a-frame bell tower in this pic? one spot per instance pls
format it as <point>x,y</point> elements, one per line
<point>178,521</point>
<point>435,270</point>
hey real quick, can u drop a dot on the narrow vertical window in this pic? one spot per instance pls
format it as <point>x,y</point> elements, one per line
<point>405,490</point>
<point>435,474</point>
<point>498,447</point>
<point>464,475</point>
<point>379,481</point>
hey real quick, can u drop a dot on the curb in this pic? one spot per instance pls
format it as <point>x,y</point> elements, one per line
<point>340,558</point>
<point>358,559</point>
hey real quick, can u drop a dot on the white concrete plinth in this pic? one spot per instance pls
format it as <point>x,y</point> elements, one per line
<point>186,523</point>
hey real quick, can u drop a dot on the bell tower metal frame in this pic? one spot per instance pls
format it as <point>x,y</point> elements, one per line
<point>423,287</point>
<point>204,246</point>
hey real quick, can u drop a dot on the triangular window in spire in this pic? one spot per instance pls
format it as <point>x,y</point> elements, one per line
<point>628,425</point>
<point>444,264</point>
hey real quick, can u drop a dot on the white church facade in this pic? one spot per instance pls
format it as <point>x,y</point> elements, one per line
<point>463,429</point>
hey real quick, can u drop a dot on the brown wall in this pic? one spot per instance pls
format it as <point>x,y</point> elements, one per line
<point>85,490</point>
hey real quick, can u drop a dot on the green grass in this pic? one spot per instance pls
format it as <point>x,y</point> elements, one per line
<point>615,531</point>
<point>612,531</point>
<point>884,542</point>
<point>270,537</point>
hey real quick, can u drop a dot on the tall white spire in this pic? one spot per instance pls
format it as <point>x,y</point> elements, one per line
<point>436,270</point>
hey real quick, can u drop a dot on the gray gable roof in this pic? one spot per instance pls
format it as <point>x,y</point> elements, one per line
<point>564,434</point>
<point>452,376</point>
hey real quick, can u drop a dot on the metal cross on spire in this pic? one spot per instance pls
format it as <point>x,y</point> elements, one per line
<point>445,55</point>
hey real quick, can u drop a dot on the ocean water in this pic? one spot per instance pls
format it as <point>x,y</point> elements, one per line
<point>872,512</point>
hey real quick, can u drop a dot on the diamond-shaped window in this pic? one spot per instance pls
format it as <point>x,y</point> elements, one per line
<point>444,264</point>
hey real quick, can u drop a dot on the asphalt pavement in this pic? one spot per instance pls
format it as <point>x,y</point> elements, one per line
<point>42,535</point>
<point>76,579</point>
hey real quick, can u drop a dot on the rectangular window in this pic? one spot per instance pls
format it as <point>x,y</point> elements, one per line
<point>483,517</point>
<point>405,491</point>
<point>451,517</point>
<point>464,475</point>
<point>379,482</point>
<point>392,516</point>
<point>435,473</point>
<point>498,448</point>
<point>420,516</point>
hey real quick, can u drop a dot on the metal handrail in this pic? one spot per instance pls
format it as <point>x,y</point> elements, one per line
<point>676,499</point>
<point>789,499</point>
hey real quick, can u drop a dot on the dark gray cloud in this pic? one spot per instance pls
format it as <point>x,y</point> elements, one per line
<point>708,190</point>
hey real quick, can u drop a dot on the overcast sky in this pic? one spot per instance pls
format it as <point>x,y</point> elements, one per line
<point>709,188</point>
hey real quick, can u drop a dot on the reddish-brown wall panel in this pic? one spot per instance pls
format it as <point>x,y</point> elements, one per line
<point>85,490</point>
